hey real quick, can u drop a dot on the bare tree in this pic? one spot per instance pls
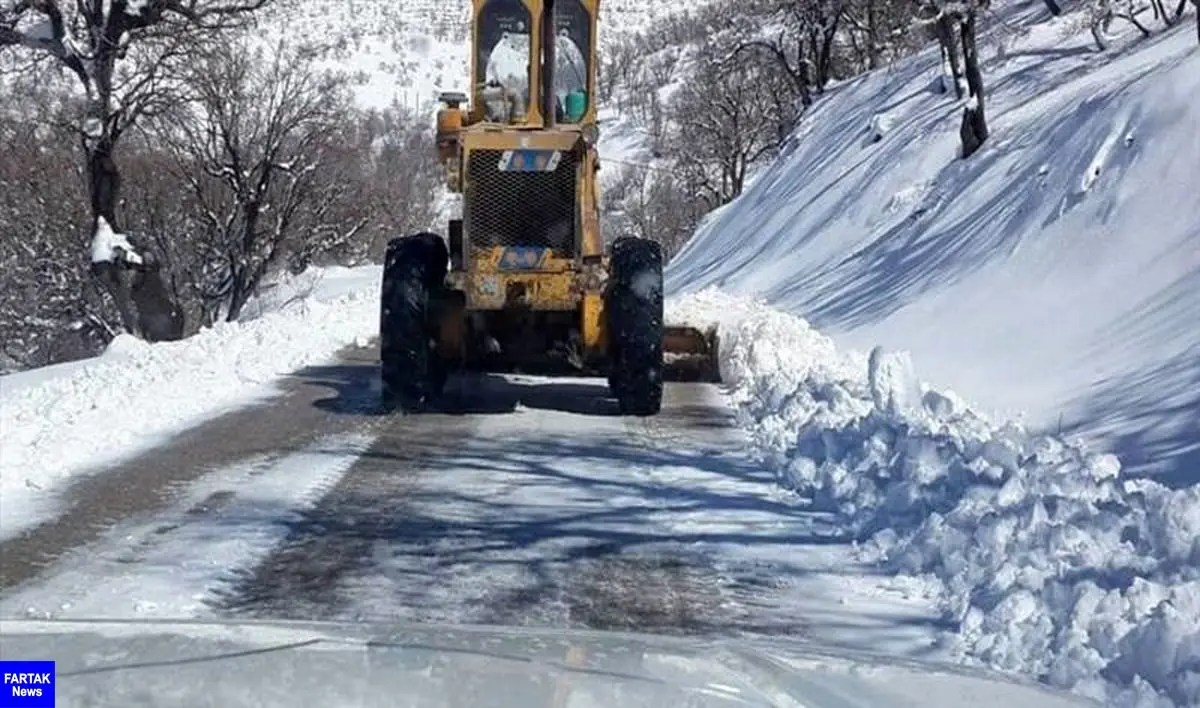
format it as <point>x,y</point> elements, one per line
<point>1103,12</point>
<point>157,203</point>
<point>50,310</point>
<point>874,29</point>
<point>731,114</point>
<point>123,57</point>
<point>403,178</point>
<point>261,146</point>
<point>652,203</point>
<point>955,25</point>
<point>803,46</point>
<point>946,33</point>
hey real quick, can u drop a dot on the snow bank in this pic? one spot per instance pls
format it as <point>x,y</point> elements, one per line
<point>136,394</point>
<point>1054,277</point>
<point>1052,563</point>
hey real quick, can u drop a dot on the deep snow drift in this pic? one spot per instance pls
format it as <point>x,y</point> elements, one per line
<point>1053,565</point>
<point>1055,274</point>
<point>64,420</point>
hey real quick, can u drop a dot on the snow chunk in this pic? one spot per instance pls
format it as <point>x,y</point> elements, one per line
<point>880,126</point>
<point>126,346</point>
<point>893,383</point>
<point>111,247</point>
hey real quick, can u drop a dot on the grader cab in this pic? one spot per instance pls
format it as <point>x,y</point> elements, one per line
<point>524,280</point>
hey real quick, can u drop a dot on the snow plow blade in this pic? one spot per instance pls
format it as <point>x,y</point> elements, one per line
<point>690,354</point>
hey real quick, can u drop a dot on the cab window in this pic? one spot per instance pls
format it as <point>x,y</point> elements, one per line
<point>502,66</point>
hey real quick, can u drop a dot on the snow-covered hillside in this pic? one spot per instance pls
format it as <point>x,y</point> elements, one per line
<point>1055,275</point>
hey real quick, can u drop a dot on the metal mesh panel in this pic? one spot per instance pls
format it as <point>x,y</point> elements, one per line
<point>520,208</point>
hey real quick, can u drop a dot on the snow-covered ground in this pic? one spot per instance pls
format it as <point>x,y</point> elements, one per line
<point>1054,564</point>
<point>174,575</point>
<point>1054,276</point>
<point>1054,273</point>
<point>539,517</point>
<point>65,420</point>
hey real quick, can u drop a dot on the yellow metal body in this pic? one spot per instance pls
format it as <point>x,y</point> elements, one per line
<point>500,278</point>
<point>552,282</point>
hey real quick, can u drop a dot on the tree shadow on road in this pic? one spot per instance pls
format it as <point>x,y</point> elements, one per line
<point>542,532</point>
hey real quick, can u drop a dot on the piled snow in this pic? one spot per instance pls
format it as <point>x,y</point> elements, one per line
<point>1052,563</point>
<point>136,394</point>
<point>1053,277</point>
<point>109,246</point>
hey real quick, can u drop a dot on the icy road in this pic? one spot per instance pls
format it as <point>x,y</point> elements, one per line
<point>528,501</point>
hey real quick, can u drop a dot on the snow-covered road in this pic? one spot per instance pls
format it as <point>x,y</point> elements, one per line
<point>820,494</point>
<point>529,502</point>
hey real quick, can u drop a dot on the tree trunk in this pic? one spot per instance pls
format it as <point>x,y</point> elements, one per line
<point>239,295</point>
<point>945,34</point>
<point>104,180</point>
<point>139,290</point>
<point>974,129</point>
<point>873,50</point>
<point>825,61</point>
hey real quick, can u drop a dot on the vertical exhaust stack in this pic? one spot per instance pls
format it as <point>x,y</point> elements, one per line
<point>549,105</point>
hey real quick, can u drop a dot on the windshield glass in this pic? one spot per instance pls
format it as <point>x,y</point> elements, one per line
<point>503,62</point>
<point>503,58</point>
<point>572,48</point>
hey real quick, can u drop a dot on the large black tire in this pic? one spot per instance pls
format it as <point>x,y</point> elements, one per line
<point>414,272</point>
<point>635,326</point>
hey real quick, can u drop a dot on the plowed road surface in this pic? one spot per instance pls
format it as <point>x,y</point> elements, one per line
<point>528,501</point>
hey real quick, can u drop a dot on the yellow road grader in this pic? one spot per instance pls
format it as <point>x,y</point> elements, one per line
<point>524,280</point>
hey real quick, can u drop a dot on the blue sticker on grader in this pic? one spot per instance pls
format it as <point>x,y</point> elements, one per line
<point>27,684</point>
<point>529,160</point>
<point>522,257</point>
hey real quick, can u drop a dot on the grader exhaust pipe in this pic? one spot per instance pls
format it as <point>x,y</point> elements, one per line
<point>549,101</point>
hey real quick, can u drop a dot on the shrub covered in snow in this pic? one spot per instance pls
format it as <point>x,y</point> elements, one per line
<point>1051,563</point>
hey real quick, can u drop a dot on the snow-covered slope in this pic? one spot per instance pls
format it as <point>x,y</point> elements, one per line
<point>1055,274</point>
